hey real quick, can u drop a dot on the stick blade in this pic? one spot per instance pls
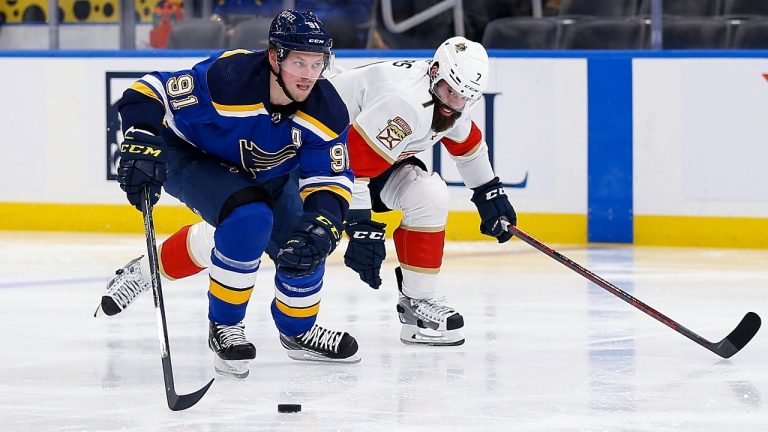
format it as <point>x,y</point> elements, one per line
<point>182,402</point>
<point>740,336</point>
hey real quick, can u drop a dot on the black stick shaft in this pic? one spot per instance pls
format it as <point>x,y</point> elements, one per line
<point>176,402</point>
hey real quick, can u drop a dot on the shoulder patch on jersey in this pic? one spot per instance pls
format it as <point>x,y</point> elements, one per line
<point>394,132</point>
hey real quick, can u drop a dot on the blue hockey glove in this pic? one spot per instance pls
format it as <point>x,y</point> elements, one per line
<point>493,205</point>
<point>315,237</point>
<point>142,163</point>
<point>366,250</point>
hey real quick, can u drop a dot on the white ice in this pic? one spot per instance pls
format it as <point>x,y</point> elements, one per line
<point>545,350</point>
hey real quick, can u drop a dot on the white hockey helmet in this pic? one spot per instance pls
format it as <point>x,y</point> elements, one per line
<point>463,65</point>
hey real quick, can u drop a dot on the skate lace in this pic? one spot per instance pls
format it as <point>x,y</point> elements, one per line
<point>231,335</point>
<point>321,338</point>
<point>432,309</point>
<point>126,287</point>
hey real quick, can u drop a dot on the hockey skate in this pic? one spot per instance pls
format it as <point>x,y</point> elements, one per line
<point>232,349</point>
<point>321,344</point>
<point>427,321</point>
<point>123,288</point>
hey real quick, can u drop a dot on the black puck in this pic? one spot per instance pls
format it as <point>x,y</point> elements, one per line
<point>288,408</point>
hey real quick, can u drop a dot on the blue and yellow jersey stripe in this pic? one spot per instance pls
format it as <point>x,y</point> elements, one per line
<point>230,53</point>
<point>297,312</point>
<point>341,186</point>
<point>146,89</point>
<point>240,110</point>
<point>230,295</point>
<point>315,126</point>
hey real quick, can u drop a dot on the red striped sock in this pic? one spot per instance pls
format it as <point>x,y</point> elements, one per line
<point>176,260</point>
<point>420,249</point>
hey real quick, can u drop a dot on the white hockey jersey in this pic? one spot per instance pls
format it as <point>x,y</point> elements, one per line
<point>390,108</point>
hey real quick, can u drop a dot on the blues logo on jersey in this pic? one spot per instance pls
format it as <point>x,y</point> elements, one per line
<point>213,107</point>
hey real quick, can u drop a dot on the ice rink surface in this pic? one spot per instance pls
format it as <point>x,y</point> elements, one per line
<point>545,350</point>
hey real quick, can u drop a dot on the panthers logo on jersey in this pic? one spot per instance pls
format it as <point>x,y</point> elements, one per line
<point>255,159</point>
<point>395,131</point>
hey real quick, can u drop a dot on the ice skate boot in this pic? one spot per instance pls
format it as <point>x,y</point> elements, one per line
<point>321,344</point>
<point>427,321</point>
<point>123,288</point>
<point>232,349</point>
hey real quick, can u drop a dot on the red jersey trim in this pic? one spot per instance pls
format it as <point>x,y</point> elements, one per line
<point>364,157</point>
<point>466,147</point>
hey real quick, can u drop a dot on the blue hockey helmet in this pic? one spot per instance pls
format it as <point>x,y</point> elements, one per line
<point>299,31</point>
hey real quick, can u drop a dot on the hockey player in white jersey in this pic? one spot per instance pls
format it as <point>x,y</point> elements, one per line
<point>399,109</point>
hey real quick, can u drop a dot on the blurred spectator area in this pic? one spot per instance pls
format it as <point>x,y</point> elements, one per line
<point>246,22</point>
<point>626,24</point>
<point>73,11</point>
<point>580,24</point>
<point>349,21</point>
<point>509,24</point>
<point>108,11</point>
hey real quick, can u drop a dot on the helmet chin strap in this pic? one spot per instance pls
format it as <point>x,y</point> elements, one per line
<point>280,82</point>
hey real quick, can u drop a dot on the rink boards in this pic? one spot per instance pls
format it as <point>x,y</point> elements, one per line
<point>602,147</point>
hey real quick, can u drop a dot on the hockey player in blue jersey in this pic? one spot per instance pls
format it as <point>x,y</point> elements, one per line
<point>224,137</point>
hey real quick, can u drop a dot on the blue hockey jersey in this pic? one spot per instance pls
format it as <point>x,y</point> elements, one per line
<point>221,106</point>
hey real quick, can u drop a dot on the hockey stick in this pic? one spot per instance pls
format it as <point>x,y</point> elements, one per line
<point>727,347</point>
<point>176,402</point>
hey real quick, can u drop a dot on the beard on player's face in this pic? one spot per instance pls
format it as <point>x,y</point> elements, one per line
<point>443,116</point>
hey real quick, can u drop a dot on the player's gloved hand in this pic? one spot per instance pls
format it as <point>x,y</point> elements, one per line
<point>493,205</point>
<point>366,250</point>
<point>315,237</point>
<point>142,163</point>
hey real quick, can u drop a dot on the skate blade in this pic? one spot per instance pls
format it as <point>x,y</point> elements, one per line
<point>413,335</point>
<point>231,368</point>
<point>302,355</point>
